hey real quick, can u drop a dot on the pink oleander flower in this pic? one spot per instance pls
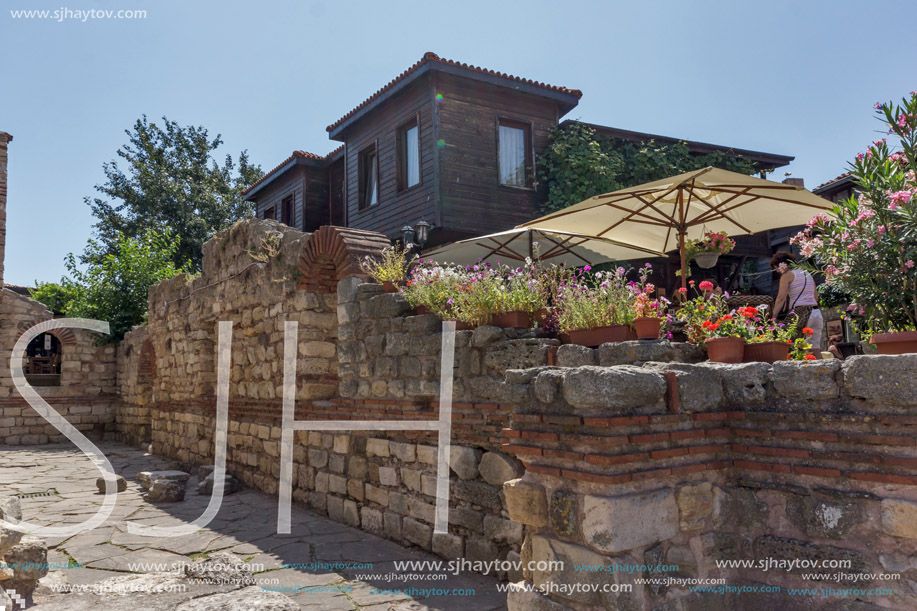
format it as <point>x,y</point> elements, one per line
<point>881,229</point>
<point>900,197</point>
<point>909,264</point>
<point>902,120</point>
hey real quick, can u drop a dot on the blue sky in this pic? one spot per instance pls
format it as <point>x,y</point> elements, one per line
<point>796,78</point>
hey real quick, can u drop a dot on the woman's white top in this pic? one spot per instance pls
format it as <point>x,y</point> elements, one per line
<point>803,287</point>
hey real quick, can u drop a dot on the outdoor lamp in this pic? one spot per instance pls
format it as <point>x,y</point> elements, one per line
<point>423,232</point>
<point>407,234</point>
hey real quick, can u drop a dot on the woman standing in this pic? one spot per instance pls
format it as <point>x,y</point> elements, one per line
<point>797,293</point>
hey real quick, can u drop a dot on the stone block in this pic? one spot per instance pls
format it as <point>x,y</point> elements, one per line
<point>378,447</point>
<point>357,467</point>
<point>547,385</point>
<point>518,354</point>
<point>392,526</point>
<point>485,334</point>
<point>372,520</point>
<point>695,503</point>
<point>417,533</point>
<point>388,476</point>
<point>746,383</point>
<point>618,524</point>
<point>526,502</point>
<point>899,518</point>
<point>337,484</point>
<point>520,599</point>
<point>571,355</point>
<point>700,387</point>
<point>498,529</point>
<point>464,461</point>
<point>545,549</point>
<point>427,454</point>
<point>336,508</point>
<point>411,479</point>
<point>147,478</point>
<point>563,513</point>
<point>420,510</point>
<point>336,463</point>
<point>641,351</point>
<point>885,379</point>
<point>341,444</point>
<point>406,452</point>
<point>497,468</point>
<point>479,549</point>
<point>807,379</point>
<point>388,305</point>
<point>351,513</point>
<point>826,516</point>
<point>347,289</point>
<point>376,495</point>
<point>478,493</point>
<point>613,388</point>
<point>448,546</point>
<point>120,484</point>
<point>166,491</point>
<point>318,458</point>
<point>468,518</point>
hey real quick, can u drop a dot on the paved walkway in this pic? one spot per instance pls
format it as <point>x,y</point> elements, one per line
<point>245,526</point>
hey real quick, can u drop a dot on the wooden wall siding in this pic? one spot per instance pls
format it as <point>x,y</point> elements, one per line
<point>472,198</point>
<point>272,195</point>
<point>316,199</point>
<point>395,209</point>
<point>336,205</point>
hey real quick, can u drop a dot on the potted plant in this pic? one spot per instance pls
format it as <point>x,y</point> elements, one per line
<point>867,246</point>
<point>770,340</point>
<point>389,269</point>
<point>706,251</point>
<point>647,310</point>
<point>693,313</point>
<point>595,309</point>
<point>726,338</point>
<point>518,296</point>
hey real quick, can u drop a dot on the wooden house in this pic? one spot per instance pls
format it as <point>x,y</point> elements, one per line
<point>444,142</point>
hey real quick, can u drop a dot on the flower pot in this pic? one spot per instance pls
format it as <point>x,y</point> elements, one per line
<point>462,326</point>
<point>390,287</point>
<point>766,352</point>
<point>517,319</point>
<point>706,260</point>
<point>647,327</point>
<point>902,342</point>
<point>725,349</point>
<point>541,315</point>
<point>421,310</point>
<point>596,337</point>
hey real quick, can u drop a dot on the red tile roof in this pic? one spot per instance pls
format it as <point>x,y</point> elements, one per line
<point>430,57</point>
<point>296,154</point>
<point>833,180</point>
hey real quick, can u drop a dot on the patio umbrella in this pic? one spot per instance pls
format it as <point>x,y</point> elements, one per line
<point>549,246</point>
<point>661,215</point>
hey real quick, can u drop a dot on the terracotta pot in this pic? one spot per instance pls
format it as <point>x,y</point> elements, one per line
<point>421,310</point>
<point>462,326</point>
<point>541,315</point>
<point>517,319</point>
<point>390,287</point>
<point>596,337</point>
<point>647,327</point>
<point>902,342</point>
<point>706,260</point>
<point>766,352</point>
<point>725,349</point>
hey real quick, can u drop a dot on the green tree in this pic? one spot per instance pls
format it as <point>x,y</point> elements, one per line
<point>579,164</point>
<point>172,180</point>
<point>114,285</point>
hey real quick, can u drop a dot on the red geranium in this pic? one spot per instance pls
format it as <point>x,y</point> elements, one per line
<point>810,357</point>
<point>807,331</point>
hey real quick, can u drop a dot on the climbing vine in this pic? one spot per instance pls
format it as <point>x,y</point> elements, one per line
<point>579,164</point>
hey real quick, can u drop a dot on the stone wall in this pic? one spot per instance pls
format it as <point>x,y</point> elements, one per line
<point>689,464</point>
<point>5,139</point>
<point>88,381</point>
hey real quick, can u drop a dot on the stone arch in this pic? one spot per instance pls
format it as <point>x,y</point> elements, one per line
<point>334,253</point>
<point>146,363</point>
<point>64,336</point>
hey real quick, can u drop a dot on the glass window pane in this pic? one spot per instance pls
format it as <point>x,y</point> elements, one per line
<point>411,146</point>
<point>512,156</point>
<point>371,191</point>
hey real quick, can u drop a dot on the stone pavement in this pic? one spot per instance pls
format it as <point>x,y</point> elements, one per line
<point>245,527</point>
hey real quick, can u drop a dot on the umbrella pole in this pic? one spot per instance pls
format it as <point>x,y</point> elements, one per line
<point>681,251</point>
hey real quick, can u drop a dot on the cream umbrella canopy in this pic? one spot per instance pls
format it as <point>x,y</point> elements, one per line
<point>661,215</point>
<point>549,246</point>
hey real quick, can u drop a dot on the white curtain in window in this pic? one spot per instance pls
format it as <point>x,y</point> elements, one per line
<point>371,190</point>
<point>411,157</point>
<point>512,156</point>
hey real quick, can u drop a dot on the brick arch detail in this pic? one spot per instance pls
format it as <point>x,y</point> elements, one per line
<point>334,253</point>
<point>64,336</point>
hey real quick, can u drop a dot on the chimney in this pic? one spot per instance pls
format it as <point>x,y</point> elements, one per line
<point>796,182</point>
<point>5,138</point>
